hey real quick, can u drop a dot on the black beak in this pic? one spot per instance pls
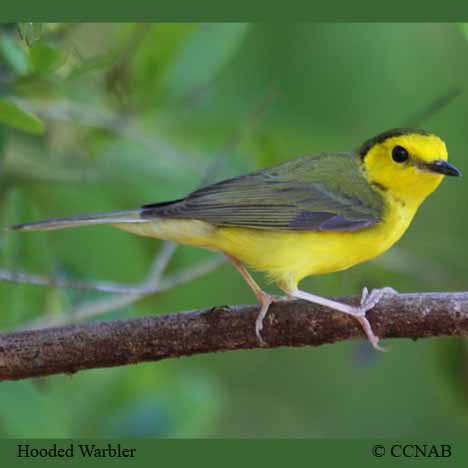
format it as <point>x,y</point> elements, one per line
<point>443,167</point>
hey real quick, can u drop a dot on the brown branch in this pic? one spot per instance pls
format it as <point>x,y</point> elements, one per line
<point>72,348</point>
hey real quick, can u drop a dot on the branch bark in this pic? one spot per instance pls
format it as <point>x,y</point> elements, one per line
<point>71,348</point>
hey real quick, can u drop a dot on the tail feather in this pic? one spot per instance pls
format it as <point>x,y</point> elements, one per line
<point>110,217</point>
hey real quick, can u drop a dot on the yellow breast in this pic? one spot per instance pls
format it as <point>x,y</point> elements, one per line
<point>286,256</point>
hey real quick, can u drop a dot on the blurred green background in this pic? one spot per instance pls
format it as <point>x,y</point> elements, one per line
<point>98,117</point>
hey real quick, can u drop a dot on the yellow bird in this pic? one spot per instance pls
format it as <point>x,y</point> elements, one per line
<point>308,216</point>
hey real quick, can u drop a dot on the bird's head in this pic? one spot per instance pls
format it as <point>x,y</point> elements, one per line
<point>407,163</point>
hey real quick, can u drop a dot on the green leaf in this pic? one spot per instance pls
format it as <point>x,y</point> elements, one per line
<point>44,58</point>
<point>151,60</point>
<point>207,50</point>
<point>14,116</point>
<point>30,32</point>
<point>14,55</point>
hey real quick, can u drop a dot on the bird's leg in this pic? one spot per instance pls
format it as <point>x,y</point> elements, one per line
<point>368,301</point>
<point>263,297</point>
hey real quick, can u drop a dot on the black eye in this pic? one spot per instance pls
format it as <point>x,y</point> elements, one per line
<point>399,154</point>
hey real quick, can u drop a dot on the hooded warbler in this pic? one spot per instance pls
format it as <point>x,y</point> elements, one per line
<point>307,216</point>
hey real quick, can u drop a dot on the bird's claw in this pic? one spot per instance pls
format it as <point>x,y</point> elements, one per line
<point>258,330</point>
<point>368,302</point>
<point>265,300</point>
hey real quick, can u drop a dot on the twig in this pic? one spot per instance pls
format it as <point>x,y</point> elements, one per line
<point>160,262</point>
<point>149,285</point>
<point>122,125</point>
<point>99,307</point>
<point>434,106</point>
<point>91,345</point>
<point>39,280</point>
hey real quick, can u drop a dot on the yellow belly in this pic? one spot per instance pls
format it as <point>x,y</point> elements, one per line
<point>286,256</point>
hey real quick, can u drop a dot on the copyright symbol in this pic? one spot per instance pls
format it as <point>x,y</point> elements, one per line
<point>378,451</point>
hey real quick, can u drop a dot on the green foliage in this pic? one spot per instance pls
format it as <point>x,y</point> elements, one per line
<point>30,32</point>
<point>98,117</point>
<point>13,116</point>
<point>193,68</point>
<point>14,55</point>
<point>44,58</point>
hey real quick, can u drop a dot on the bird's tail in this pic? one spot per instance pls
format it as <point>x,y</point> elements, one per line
<point>110,217</point>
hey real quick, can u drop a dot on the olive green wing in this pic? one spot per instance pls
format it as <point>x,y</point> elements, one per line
<point>327,192</point>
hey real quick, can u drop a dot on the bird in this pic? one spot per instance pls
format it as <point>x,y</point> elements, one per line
<point>307,216</point>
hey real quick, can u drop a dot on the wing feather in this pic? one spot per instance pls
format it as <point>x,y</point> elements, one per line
<point>327,192</point>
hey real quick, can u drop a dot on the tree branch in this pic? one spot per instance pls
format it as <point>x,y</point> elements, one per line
<point>150,287</point>
<point>72,348</point>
